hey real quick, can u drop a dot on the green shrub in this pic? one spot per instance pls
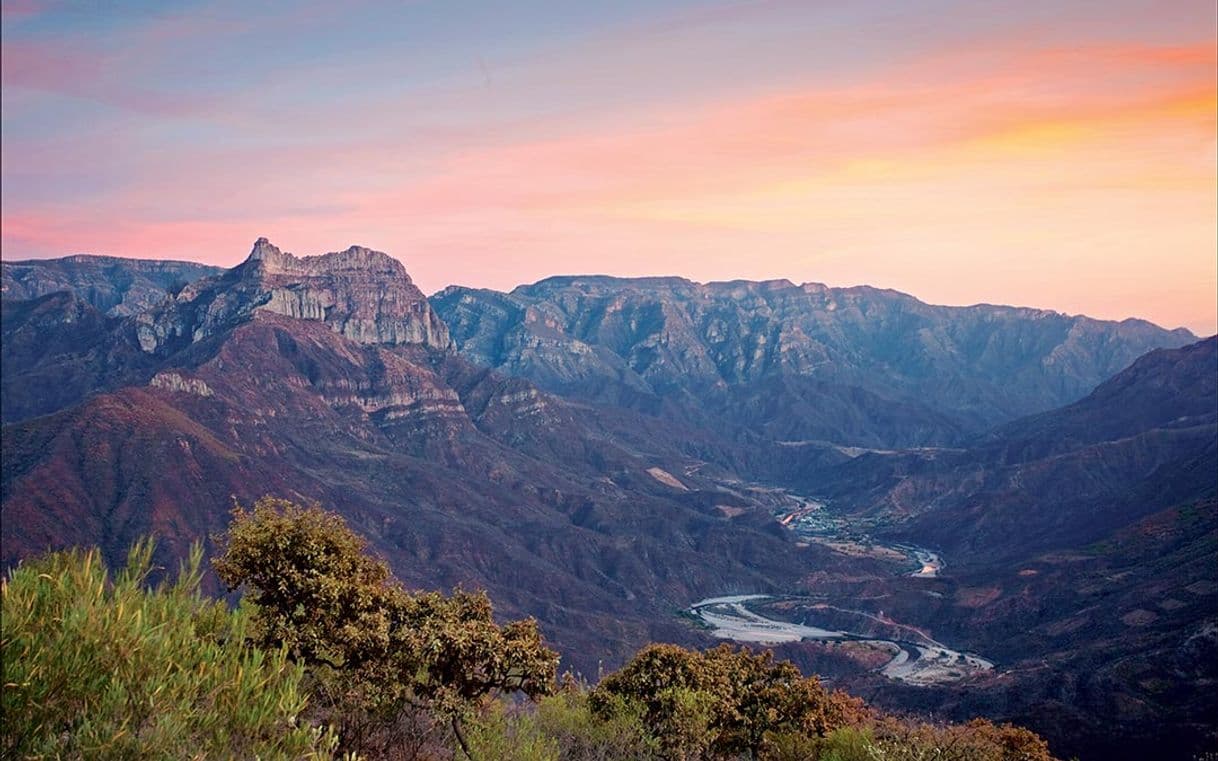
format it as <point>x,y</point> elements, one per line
<point>843,744</point>
<point>848,744</point>
<point>108,668</point>
<point>583,736</point>
<point>502,733</point>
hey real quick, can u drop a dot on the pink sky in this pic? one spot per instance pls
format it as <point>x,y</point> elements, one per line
<point>1047,157</point>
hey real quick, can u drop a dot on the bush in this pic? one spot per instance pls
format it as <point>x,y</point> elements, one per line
<point>978,740</point>
<point>844,744</point>
<point>721,702</point>
<point>583,736</point>
<point>107,668</point>
<point>502,733</point>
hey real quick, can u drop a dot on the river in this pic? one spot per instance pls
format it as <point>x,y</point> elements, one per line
<point>918,660</point>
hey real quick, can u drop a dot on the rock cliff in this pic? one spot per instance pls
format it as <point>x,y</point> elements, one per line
<point>361,294</point>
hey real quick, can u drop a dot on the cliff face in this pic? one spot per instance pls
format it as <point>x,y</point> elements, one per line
<point>117,287</point>
<point>361,294</point>
<point>55,350</point>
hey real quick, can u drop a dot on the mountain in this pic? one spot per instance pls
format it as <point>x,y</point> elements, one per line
<point>111,285</point>
<point>330,379</point>
<point>1144,440</point>
<point>57,349</point>
<point>364,295</point>
<point>58,314</point>
<point>853,366</point>
<point>1081,546</point>
<point>602,453</point>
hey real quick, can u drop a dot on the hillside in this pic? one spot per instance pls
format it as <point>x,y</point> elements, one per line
<point>334,383</point>
<point>111,284</point>
<point>1079,547</point>
<point>856,366</point>
<point>602,454</point>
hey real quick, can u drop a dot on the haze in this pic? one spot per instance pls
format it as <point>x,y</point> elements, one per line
<point>1049,154</point>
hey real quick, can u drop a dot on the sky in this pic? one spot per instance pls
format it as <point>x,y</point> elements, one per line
<point>1050,154</point>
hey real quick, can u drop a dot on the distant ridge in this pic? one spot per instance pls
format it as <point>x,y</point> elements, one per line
<point>693,344</point>
<point>112,284</point>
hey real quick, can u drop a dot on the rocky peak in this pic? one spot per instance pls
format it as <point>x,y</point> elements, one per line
<point>355,260</point>
<point>266,252</point>
<point>362,294</point>
<point>598,285</point>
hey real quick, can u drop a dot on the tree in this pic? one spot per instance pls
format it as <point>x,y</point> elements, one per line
<point>314,589</point>
<point>369,643</point>
<point>768,696</point>
<point>108,668</point>
<point>977,740</point>
<point>724,700</point>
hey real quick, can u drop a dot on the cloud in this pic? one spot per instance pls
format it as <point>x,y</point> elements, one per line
<point>713,148</point>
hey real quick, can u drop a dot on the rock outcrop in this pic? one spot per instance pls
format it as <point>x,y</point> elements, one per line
<point>361,294</point>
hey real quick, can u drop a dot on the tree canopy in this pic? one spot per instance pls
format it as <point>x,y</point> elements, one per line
<point>368,641</point>
<point>723,700</point>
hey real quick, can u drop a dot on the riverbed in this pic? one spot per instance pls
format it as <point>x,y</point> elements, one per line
<point>919,660</point>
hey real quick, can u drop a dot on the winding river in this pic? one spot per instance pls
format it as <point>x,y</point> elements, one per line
<point>918,659</point>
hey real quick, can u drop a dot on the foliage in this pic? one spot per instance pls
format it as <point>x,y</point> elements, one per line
<point>843,744</point>
<point>95,667</point>
<point>374,650</point>
<point>108,668</point>
<point>583,736</point>
<point>723,700</point>
<point>977,740</point>
<point>890,739</point>
<point>502,733</point>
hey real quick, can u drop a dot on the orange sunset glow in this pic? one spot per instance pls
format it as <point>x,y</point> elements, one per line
<point>1030,156</point>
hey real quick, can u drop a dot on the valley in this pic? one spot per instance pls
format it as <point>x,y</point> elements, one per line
<point>809,521</point>
<point>691,380</point>
<point>1014,512</point>
<point>917,661</point>
<point>914,657</point>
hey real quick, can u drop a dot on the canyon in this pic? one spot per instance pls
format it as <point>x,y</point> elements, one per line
<point>993,510</point>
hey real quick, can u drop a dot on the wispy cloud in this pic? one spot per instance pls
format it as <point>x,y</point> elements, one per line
<point>803,140</point>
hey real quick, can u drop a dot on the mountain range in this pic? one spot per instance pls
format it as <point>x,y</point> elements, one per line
<point>602,452</point>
